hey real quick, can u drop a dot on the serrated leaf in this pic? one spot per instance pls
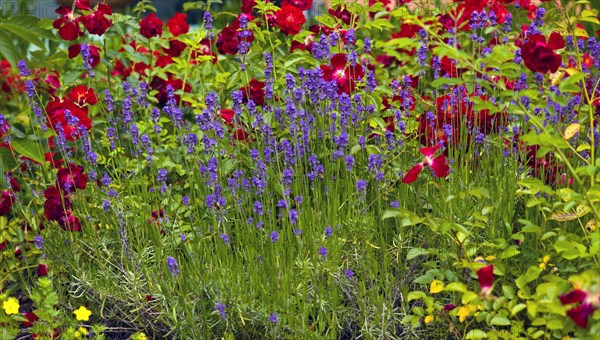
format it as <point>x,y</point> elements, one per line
<point>581,211</point>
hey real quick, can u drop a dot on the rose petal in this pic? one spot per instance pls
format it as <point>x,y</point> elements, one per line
<point>412,174</point>
<point>440,166</point>
<point>575,296</point>
<point>580,314</point>
<point>486,277</point>
<point>430,150</point>
<point>556,41</point>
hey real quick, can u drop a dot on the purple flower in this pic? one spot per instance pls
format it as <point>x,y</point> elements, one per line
<point>395,204</point>
<point>225,238</point>
<point>328,232</point>
<point>220,307</point>
<point>297,231</point>
<point>323,252</point>
<point>293,215</point>
<point>274,236</point>
<point>162,175</point>
<point>361,185</point>
<point>39,242</point>
<point>258,208</point>
<point>349,162</point>
<point>172,265</point>
<point>23,70</point>
<point>185,200</point>
<point>348,273</point>
<point>274,318</point>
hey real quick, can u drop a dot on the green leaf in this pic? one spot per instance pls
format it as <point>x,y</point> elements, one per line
<point>517,308</point>
<point>500,321</point>
<point>29,149</point>
<point>7,49</point>
<point>476,334</point>
<point>570,84</point>
<point>415,295</point>
<point>456,287</point>
<point>8,161</point>
<point>416,252</point>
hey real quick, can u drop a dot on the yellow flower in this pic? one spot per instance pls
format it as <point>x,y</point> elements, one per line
<point>465,311</point>
<point>139,336</point>
<point>11,306</point>
<point>429,318</point>
<point>82,314</point>
<point>436,286</point>
<point>83,331</point>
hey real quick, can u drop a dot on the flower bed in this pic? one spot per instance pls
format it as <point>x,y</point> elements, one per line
<point>376,171</point>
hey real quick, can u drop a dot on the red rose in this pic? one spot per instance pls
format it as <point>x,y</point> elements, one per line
<point>539,55</point>
<point>70,222</point>
<point>81,95</point>
<point>177,24</point>
<point>71,178</point>
<point>83,4</point>
<point>97,22</point>
<point>67,25</point>
<point>256,90</point>
<point>227,42</point>
<point>175,48</point>
<point>290,19</point>
<point>42,269</point>
<point>247,6</point>
<point>54,210</point>
<point>56,111</point>
<point>6,202</point>
<point>151,26</point>
<point>303,5</point>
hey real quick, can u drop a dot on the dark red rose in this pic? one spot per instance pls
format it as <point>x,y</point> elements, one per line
<point>177,24</point>
<point>255,90</point>
<point>175,48</point>
<point>465,10</point>
<point>70,223</point>
<point>83,4</point>
<point>42,269</point>
<point>290,19</point>
<point>98,22</point>
<point>31,319</point>
<point>6,202</point>
<point>538,55</point>
<point>247,6</point>
<point>151,26</point>
<point>227,41</point>
<point>121,70</point>
<point>81,95</point>
<point>56,111</point>
<point>71,178</point>
<point>54,210</point>
<point>341,13</point>
<point>75,50</point>
<point>67,25</point>
<point>303,5</point>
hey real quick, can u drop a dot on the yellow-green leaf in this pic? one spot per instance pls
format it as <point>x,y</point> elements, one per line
<point>571,130</point>
<point>436,286</point>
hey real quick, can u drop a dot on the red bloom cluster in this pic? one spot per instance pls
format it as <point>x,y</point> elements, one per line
<point>290,19</point>
<point>255,90</point>
<point>228,40</point>
<point>178,25</point>
<point>455,110</point>
<point>58,203</point>
<point>581,313</point>
<point>485,276</point>
<point>539,56</point>
<point>96,22</point>
<point>151,26</point>
<point>76,103</point>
